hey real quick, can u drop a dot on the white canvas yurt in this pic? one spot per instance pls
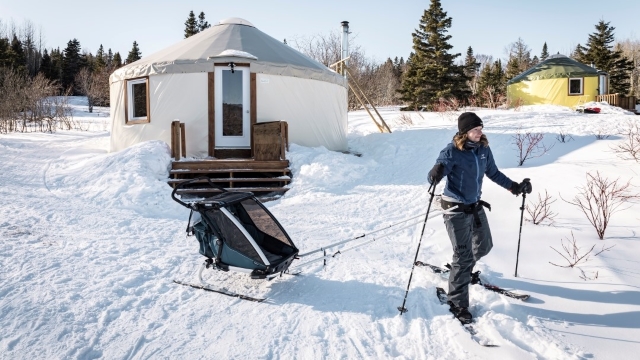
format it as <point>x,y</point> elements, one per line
<point>221,81</point>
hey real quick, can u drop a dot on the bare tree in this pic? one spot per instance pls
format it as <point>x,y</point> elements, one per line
<point>630,149</point>
<point>378,81</point>
<point>541,210</point>
<point>529,145</point>
<point>600,198</point>
<point>572,254</point>
<point>29,104</point>
<point>447,108</point>
<point>563,136</point>
<point>94,85</point>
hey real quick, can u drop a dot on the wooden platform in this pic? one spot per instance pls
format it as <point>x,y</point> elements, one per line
<point>259,177</point>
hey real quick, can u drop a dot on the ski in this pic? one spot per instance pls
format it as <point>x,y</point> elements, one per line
<point>220,291</point>
<point>494,288</point>
<point>475,335</point>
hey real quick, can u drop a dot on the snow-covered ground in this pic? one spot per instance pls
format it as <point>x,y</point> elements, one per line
<point>91,241</point>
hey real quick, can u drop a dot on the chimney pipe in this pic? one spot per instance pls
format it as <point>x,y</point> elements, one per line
<point>345,44</point>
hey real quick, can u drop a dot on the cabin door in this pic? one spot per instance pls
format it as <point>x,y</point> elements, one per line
<point>232,108</point>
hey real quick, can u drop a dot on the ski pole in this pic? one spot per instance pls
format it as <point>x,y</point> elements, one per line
<point>432,190</point>
<point>524,196</point>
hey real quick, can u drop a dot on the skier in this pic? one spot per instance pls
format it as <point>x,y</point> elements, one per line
<point>464,162</point>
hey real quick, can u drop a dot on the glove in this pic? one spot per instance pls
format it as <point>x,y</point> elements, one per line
<point>436,174</point>
<point>523,188</point>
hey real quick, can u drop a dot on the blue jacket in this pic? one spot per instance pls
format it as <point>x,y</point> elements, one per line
<point>466,169</point>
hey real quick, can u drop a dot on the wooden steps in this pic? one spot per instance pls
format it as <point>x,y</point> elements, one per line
<point>260,177</point>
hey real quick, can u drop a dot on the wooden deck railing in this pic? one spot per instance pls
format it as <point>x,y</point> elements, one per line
<point>627,103</point>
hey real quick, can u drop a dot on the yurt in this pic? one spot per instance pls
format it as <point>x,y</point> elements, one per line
<point>219,83</point>
<point>558,80</point>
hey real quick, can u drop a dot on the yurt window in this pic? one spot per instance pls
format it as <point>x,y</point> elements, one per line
<point>137,101</point>
<point>575,86</point>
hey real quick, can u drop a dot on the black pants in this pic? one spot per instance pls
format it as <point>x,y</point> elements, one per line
<point>470,242</point>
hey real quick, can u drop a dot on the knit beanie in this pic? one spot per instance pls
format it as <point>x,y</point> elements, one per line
<point>468,121</point>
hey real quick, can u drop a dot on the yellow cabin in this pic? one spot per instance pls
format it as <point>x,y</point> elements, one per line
<point>559,80</point>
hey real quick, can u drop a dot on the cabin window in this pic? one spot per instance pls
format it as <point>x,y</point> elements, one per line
<point>137,101</point>
<point>575,86</point>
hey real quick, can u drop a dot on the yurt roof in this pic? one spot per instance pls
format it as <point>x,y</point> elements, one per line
<point>232,39</point>
<point>556,66</point>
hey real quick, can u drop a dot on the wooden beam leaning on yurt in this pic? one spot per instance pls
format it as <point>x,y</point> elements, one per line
<point>343,68</point>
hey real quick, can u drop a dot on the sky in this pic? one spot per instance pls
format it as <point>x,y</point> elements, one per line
<point>381,28</point>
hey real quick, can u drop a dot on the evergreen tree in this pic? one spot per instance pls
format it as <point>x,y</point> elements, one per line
<point>492,83</point>
<point>398,68</point>
<point>534,61</point>
<point>578,54</point>
<point>620,73</point>
<point>46,66</point>
<point>600,53</point>
<point>109,59</point>
<point>202,23</point>
<point>134,54</point>
<point>191,25</point>
<point>471,67</point>
<point>72,62</point>
<point>101,59</point>
<point>117,60</point>
<point>5,47</point>
<point>431,73</point>
<point>17,57</point>
<point>56,64</point>
<point>545,53</point>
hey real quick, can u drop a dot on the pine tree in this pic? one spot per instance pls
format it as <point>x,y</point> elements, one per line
<point>191,25</point>
<point>620,73</point>
<point>202,23</point>
<point>17,56</point>
<point>545,53</point>
<point>72,62</point>
<point>534,61</point>
<point>117,60</point>
<point>134,54</point>
<point>600,53</point>
<point>109,59</point>
<point>471,67</point>
<point>46,66</point>
<point>492,83</point>
<point>56,64</point>
<point>578,54</point>
<point>431,73</point>
<point>4,52</point>
<point>101,59</point>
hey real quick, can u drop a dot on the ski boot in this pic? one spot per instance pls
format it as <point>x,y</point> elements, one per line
<point>460,313</point>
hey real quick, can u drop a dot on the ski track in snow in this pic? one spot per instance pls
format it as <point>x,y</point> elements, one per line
<point>91,242</point>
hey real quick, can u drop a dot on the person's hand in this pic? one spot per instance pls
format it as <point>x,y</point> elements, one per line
<point>436,174</point>
<point>522,188</point>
